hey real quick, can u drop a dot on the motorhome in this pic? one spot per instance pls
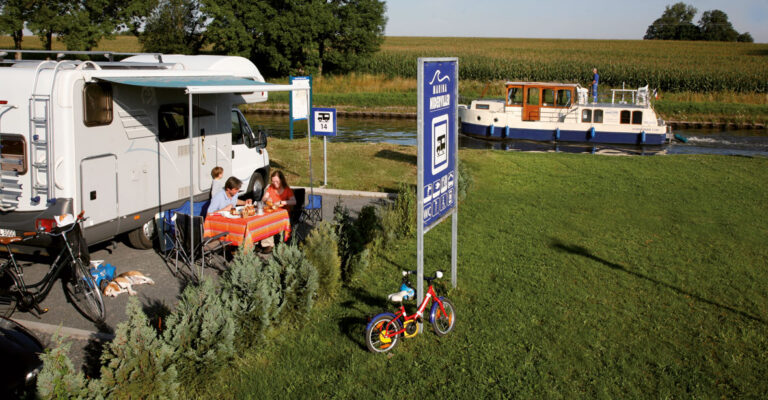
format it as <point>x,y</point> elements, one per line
<point>123,140</point>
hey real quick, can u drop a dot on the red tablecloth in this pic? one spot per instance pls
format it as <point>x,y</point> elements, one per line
<point>251,229</point>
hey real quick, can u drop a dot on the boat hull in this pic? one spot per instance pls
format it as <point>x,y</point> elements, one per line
<point>563,135</point>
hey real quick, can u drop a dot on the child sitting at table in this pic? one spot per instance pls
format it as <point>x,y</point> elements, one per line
<point>279,194</point>
<point>218,184</point>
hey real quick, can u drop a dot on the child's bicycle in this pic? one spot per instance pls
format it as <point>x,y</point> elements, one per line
<point>383,332</point>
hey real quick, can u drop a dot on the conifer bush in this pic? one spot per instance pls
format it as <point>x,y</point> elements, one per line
<point>299,282</point>
<point>398,220</point>
<point>137,363</point>
<point>321,248</point>
<point>58,379</point>
<point>201,333</point>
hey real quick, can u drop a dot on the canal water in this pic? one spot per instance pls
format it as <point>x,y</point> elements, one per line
<point>403,131</point>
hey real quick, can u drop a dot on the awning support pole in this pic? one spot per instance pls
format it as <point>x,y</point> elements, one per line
<point>191,191</point>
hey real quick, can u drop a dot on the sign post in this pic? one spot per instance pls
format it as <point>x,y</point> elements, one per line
<point>438,136</point>
<point>324,124</point>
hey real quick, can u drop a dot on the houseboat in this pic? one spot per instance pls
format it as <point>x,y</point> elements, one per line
<point>561,112</point>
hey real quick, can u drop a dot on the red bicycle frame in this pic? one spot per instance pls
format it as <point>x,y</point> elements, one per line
<point>431,295</point>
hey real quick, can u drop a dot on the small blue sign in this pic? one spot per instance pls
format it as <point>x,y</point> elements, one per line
<point>439,148</point>
<point>324,122</point>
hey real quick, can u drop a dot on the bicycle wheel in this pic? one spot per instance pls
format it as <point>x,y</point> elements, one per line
<point>375,338</point>
<point>443,322</point>
<point>83,292</point>
<point>7,297</point>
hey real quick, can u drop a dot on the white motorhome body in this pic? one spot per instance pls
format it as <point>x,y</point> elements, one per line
<point>114,138</point>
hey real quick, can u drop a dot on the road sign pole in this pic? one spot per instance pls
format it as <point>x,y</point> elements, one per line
<point>325,164</point>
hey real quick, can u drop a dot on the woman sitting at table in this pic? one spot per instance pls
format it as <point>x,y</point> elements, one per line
<point>279,194</point>
<point>226,199</point>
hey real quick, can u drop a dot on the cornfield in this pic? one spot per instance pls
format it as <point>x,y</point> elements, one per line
<point>666,65</point>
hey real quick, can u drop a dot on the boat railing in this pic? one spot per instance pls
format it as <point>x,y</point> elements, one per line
<point>639,96</point>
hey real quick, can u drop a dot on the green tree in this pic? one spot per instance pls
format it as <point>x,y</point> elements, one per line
<point>283,37</point>
<point>357,34</point>
<point>174,26</point>
<point>675,24</point>
<point>745,37</point>
<point>13,15</point>
<point>50,17</point>
<point>714,26</point>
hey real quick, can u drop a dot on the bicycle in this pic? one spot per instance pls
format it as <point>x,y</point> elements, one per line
<point>384,330</point>
<point>79,286</point>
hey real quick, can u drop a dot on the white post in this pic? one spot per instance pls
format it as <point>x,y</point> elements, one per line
<point>191,191</point>
<point>325,164</point>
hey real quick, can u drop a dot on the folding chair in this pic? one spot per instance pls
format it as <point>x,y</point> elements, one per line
<point>313,210</point>
<point>201,248</point>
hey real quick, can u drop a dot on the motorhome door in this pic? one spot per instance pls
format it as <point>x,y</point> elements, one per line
<point>98,189</point>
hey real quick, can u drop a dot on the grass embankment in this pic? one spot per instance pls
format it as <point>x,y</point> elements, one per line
<point>579,277</point>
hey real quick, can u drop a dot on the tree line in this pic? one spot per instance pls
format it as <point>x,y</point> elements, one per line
<point>282,37</point>
<point>676,23</point>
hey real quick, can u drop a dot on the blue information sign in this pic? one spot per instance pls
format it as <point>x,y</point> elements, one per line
<point>323,121</point>
<point>438,147</point>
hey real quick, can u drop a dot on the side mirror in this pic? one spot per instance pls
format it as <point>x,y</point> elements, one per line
<point>261,138</point>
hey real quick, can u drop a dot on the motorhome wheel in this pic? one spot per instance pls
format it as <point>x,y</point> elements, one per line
<point>256,186</point>
<point>141,238</point>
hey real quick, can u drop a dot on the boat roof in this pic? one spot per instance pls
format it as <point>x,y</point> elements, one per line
<point>520,83</point>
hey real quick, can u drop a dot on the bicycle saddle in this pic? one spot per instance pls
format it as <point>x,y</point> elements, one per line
<point>397,297</point>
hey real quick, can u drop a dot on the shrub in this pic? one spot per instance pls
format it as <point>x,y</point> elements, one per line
<point>465,181</point>
<point>322,250</point>
<point>137,364</point>
<point>368,224</point>
<point>201,333</point>
<point>242,295</point>
<point>299,282</point>
<point>58,378</point>
<point>398,219</point>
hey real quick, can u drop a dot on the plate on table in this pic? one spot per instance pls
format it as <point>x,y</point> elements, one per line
<point>228,214</point>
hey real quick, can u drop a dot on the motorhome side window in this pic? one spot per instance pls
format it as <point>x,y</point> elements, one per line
<point>515,96</point>
<point>13,153</point>
<point>172,121</point>
<point>241,133</point>
<point>97,104</point>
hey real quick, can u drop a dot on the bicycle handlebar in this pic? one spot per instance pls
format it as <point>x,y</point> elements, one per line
<point>438,274</point>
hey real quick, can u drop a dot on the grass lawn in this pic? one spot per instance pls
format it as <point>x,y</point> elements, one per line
<point>579,276</point>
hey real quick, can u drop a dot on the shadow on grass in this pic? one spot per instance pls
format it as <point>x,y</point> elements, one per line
<point>397,156</point>
<point>353,326</point>
<point>584,252</point>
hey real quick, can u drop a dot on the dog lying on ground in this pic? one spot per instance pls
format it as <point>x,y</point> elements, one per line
<point>123,282</point>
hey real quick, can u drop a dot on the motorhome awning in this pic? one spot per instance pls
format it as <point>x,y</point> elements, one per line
<point>205,84</point>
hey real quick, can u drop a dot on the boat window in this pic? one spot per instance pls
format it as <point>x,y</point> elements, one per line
<point>97,104</point>
<point>172,121</point>
<point>624,118</point>
<point>598,116</point>
<point>637,117</point>
<point>515,96</point>
<point>13,153</point>
<point>482,106</point>
<point>564,98</point>
<point>548,97</point>
<point>533,96</point>
<point>586,115</point>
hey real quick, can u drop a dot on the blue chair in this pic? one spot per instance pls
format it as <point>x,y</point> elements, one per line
<point>313,209</point>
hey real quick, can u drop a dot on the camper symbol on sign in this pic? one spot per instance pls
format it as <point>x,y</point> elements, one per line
<point>324,121</point>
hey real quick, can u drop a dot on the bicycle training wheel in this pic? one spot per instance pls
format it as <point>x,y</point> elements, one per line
<point>375,334</point>
<point>83,292</point>
<point>443,322</point>
<point>7,297</point>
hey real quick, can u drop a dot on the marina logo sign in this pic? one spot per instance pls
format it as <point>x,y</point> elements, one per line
<point>437,138</point>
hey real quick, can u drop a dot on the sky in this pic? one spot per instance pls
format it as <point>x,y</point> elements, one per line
<point>564,19</point>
